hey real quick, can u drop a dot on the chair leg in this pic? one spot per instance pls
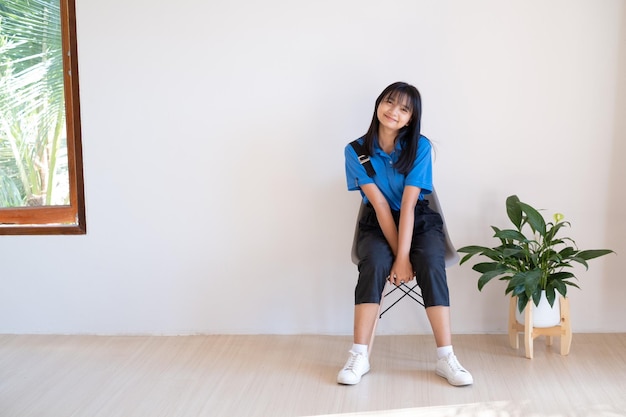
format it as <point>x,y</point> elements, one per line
<point>380,309</point>
<point>370,346</point>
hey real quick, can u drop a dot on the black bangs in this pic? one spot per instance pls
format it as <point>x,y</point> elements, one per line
<point>402,96</point>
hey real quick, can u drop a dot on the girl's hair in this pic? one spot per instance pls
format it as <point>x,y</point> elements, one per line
<point>408,135</point>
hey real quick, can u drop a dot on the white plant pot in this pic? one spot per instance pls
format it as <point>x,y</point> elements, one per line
<point>543,315</point>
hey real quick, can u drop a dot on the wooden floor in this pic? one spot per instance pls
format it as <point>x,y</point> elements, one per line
<point>193,376</point>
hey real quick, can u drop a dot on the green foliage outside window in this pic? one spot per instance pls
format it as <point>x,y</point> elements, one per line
<point>33,145</point>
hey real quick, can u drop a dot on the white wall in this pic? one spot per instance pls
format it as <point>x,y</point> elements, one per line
<point>213,137</point>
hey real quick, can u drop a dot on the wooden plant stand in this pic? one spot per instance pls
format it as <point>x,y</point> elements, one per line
<point>562,330</point>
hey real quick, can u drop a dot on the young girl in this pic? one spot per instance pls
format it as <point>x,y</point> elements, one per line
<point>400,237</point>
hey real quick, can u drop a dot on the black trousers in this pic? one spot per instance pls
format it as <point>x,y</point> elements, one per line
<point>426,255</point>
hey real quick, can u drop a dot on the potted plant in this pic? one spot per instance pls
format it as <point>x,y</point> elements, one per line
<point>531,257</point>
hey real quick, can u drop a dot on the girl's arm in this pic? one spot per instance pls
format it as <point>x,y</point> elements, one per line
<point>383,214</point>
<point>402,270</point>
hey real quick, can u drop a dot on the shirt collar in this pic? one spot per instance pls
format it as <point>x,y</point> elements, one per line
<point>379,150</point>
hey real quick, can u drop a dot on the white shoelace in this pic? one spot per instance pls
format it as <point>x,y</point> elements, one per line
<point>355,361</point>
<point>454,364</point>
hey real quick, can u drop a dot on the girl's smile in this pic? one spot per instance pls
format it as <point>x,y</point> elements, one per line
<point>394,113</point>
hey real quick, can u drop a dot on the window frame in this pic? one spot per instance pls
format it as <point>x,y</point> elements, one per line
<point>68,219</point>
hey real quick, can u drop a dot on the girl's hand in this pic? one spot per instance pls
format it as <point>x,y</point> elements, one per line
<point>401,272</point>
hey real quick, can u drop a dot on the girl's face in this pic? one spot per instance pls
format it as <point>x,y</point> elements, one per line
<point>394,111</point>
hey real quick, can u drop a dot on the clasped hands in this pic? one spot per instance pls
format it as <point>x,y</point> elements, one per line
<point>401,272</point>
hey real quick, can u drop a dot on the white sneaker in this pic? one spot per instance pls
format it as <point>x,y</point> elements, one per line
<point>450,368</point>
<point>357,365</point>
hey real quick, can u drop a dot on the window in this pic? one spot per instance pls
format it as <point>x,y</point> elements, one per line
<point>41,180</point>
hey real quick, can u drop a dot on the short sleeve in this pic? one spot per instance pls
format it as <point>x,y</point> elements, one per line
<point>421,175</point>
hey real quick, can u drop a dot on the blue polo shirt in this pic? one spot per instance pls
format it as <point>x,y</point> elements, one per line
<point>389,181</point>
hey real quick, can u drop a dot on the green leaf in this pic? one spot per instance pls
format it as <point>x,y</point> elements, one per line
<point>522,301</point>
<point>472,249</point>
<point>560,287</point>
<point>560,276</point>
<point>536,296</point>
<point>513,252</point>
<point>593,253</point>
<point>477,250</point>
<point>486,277</point>
<point>488,267</point>
<point>465,258</point>
<point>580,261</point>
<point>511,235</point>
<point>567,252</point>
<point>550,296</point>
<point>535,220</point>
<point>515,290</point>
<point>529,279</point>
<point>496,231</point>
<point>571,284</point>
<point>554,230</point>
<point>495,253</point>
<point>513,210</point>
